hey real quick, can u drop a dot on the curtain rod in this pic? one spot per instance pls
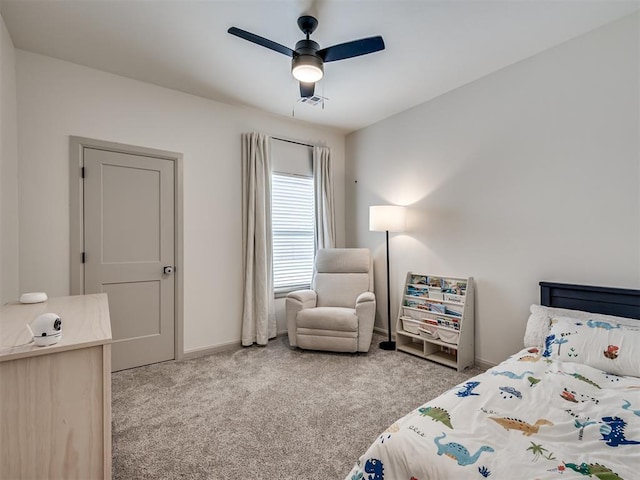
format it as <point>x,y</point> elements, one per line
<point>293,141</point>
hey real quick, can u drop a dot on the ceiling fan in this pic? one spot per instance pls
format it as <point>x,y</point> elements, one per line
<point>308,59</point>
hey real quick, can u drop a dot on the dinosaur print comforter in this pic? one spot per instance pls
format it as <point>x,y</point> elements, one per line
<point>527,418</point>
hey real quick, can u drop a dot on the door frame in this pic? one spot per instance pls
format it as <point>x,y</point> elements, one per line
<point>76,223</point>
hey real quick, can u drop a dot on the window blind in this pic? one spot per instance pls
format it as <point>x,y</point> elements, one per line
<point>293,223</point>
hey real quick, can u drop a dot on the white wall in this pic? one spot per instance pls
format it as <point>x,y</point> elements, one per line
<point>8,170</point>
<point>57,99</point>
<point>528,174</point>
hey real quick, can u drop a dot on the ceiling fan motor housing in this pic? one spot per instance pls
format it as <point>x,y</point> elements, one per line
<point>307,47</point>
<point>307,58</point>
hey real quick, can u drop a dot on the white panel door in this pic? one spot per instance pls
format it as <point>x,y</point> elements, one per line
<point>129,222</point>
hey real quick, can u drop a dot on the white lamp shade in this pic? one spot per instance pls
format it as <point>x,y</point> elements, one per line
<point>383,218</point>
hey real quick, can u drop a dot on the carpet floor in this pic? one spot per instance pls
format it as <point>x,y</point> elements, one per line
<point>272,413</point>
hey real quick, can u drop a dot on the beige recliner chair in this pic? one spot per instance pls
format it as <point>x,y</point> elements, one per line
<point>338,313</point>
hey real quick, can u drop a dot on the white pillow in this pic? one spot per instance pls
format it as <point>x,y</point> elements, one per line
<point>605,345</point>
<point>540,319</point>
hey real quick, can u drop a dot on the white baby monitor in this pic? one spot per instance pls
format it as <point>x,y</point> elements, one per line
<point>46,329</point>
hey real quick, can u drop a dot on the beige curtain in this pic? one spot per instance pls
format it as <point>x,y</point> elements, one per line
<point>258,312</point>
<point>324,203</point>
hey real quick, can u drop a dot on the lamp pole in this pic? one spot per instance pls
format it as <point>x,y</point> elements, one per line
<point>389,344</point>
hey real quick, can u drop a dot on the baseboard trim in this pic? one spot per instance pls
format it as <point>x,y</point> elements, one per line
<point>483,364</point>
<point>202,351</point>
<point>383,331</point>
<point>236,345</point>
<point>223,347</point>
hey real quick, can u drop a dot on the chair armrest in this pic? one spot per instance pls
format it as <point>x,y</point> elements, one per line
<point>296,301</point>
<point>307,298</point>
<point>365,297</point>
<point>366,313</point>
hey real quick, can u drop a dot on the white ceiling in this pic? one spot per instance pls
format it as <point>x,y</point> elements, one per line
<point>431,46</point>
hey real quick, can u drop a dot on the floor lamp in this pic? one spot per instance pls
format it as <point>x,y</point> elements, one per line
<point>387,218</point>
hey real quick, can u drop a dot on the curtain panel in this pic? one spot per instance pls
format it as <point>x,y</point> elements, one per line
<point>258,312</point>
<point>324,202</point>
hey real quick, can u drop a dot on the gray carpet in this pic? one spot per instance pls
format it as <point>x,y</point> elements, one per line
<point>264,412</point>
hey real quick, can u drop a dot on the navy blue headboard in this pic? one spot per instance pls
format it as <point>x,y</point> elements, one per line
<point>621,302</point>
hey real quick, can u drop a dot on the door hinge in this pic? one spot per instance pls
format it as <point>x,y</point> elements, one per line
<point>82,257</point>
<point>82,172</point>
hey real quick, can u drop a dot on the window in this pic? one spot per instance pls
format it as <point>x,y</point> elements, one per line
<point>293,228</point>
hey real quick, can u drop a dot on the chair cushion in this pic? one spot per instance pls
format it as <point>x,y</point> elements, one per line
<point>328,343</point>
<point>340,275</point>
<point>328,318</point>
<point>340,290</point>
<point>343,260</point>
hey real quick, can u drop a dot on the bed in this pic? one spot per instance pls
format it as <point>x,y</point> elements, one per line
<point>566,406</point>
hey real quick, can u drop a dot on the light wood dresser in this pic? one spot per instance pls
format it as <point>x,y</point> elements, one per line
<point>55,402</point>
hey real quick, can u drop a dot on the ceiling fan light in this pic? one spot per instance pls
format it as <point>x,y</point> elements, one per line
<point>307,68</point>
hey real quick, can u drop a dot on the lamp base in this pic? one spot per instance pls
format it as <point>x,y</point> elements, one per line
<point>387,345</point>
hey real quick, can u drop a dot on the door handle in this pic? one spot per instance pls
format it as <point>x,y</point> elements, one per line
<point>168,270</point>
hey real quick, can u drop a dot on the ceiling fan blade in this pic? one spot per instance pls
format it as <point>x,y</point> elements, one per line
<point>307,89</point>
<point>352,49</point>
<point>264,42</point>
